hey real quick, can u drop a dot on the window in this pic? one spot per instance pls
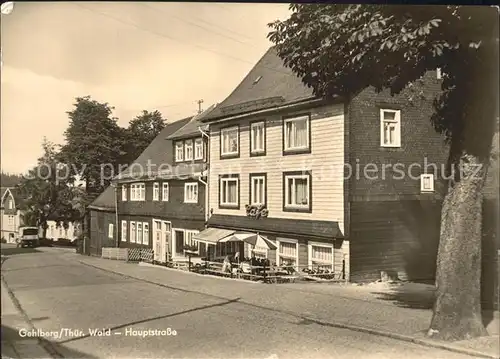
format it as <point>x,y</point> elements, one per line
<point>138,192</point>
<point>257,189</point>
<point>188,238</point>
<point>11,203</point>
<point>296,133</point>
<point>439,74</point>
<point>11,220</point>
<point>427,183</point>
<point>139,233</point>
<point>390,128</point>
<point>188,150</point>
<point>229,141</point>
<point>198,149</point>
<point>297,191</point>
<point>179,151</point>
<point>287,253</point>
<point>132,232</point>
<point>191,192</point>
<point>229,192</point>
<point>320,255</point>
<point>110,230</point>
<point>156,191</point>
<point>257,137</point>
<point>145,238</point>
<point>124,192</point>
<point>124,231</point>
<point>164,191</point>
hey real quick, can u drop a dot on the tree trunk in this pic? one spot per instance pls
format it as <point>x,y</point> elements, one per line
<point>457,309</point>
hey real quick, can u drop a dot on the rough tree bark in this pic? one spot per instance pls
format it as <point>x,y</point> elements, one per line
<point>457,308</point>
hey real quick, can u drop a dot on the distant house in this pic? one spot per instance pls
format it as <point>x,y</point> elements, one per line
<point>315,165</point>
<point>11,215</point>
<point>162,206</point>
<point>57,231</point>
<point>102,223</point>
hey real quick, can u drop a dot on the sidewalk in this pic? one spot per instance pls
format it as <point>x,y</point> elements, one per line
<point>368,309</point>
<point>13,344</point>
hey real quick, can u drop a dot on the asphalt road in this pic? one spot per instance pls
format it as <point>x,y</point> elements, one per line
<point>66,299</point>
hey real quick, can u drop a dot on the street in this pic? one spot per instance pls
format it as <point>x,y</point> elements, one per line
<point>67,301</point>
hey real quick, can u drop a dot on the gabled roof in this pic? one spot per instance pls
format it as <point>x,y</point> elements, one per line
<point>158,153</point>
<point>268,84</point>
<point>192,127</point>
<point>16,193</point>
<point>105,201</point>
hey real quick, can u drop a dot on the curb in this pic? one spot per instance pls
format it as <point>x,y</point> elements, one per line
<point>43,343</point>
<point>401,337</point>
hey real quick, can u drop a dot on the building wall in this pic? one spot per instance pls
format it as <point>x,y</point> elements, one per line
<point>419,141</point>
<point>325,161</point>
<point>173,208</point>
<point>393,226</point>
<point>99,227</point>
<point>10,217</point>
<point>54,232</point>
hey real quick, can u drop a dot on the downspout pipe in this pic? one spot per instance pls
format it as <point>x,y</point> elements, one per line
<point>207,185</point>
<point>115,185</point>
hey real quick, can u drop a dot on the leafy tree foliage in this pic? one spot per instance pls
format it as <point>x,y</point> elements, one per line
<point>141,131</point>
<point>9,179</point>
<point>340,50</point>
<point>94,143</point>
<point>45,191</point>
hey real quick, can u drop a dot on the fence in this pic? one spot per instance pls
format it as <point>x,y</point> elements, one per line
<point>114,253</point>
<point>128,254</point>
<point>140,255</point>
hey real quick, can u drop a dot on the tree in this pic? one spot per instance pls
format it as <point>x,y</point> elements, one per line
<point>9,179</point>
<point>45,190</point>
<point>142,130</point>
<point>343,49</point>
<point>94,144</point>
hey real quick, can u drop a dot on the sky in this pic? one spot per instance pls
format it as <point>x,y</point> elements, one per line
<point>134,56</point>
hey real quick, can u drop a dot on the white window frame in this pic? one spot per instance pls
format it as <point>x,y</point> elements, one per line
<point>138,233</point>
<point>439,73</point>
<point>110,230</point>
<point>192,233</point>
<point>124,231</point>
<point>133,231</point>
<point>198,149</point>
<point>188,150</point>
<point>145,233</point>
<point>286,121</point>
<point>319,262</point>
<point>252,189</point>
<point>138,192</point>
<point>11,220</point>
<point>309,194</point>
<point>397,132</point>
<point>262,134</point>
<point>11,203</point>
<point>223,133</point>
<point>165,191</point>
<point>279,255</point>
<point>222,189</point>
<point>187,187</point>
<point>179,151</point>
<point>423,177</point>
<point>156,191</point>
<point>124,192</point>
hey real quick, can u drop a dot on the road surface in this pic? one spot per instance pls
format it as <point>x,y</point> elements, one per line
<point>69,303</point>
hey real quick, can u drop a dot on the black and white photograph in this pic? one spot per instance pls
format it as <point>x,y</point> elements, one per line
<point>249,180</point>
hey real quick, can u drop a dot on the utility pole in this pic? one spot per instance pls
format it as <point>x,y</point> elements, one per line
<point>199,105</point>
